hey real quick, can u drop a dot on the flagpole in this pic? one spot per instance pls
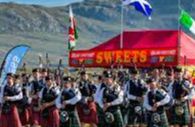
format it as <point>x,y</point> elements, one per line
<point>121,37</point>
<point>179,32</point>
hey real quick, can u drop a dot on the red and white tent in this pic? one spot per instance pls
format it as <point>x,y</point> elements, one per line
<point>143,48</point>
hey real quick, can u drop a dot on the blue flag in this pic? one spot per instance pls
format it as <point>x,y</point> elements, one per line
<point>142,6</point>
<point>12,61</point>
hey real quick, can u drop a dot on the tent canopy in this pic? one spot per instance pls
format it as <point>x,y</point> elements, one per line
<point>142,40</point>
<point>187,50</point>
<point>161,46</point>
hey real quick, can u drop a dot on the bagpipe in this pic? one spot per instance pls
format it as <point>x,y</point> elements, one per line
<point>22,104</point>
<point>108,113</point>
<point>109,116</point>
<point>66,95</point>
<point>180,102</point>
<point>179,105</point>
<point>6,107</point>
<point>45,113</point>
<point>37,86</point>
<point>47,98</point>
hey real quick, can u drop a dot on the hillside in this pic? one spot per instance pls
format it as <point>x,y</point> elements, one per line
<point>45,28</point>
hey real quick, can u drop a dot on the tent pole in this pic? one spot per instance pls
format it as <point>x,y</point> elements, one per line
<point>179,45</point>
<point>121,37</point>
<point>179,33</point>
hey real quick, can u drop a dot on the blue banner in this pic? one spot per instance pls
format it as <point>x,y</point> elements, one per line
<point>12,61</point>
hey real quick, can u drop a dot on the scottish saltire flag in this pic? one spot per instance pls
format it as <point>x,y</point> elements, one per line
<point>142,6</point>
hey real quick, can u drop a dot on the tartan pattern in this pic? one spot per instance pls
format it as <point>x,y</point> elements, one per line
<point>163,120</point>
<point>133,118</point>
<point>118,120</point>
<point>181,120</point>
<point>73,120</point>
<point>125,113</point>
<point>101,119</point>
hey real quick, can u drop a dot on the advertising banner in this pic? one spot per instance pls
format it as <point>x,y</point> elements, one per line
<point>140,57</point>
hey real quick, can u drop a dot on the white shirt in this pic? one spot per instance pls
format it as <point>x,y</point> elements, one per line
<point>127,88</point>
<point>159,103</point>
<point>71,101</point>
<point>11,98</point>
<point>117,101</point>
<point>170,89</point>
<point>96,95</point>
<point>41,92</point>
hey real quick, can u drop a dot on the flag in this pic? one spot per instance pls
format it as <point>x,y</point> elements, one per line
<point>12,61</point>
<point>187,21</point>
<point>73,35</point>
<point>142,6</point>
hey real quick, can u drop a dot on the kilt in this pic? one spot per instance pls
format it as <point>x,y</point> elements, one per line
<point>169,115</point>
<point>25,116</point>
<point>163,120</point>
<point>183,119</point>
<point>73,120</point>
<point>101,119</point>
<point>91,117</point>
<point>35,118</point>
<point>133,117</point>
<point>124,112</point>
<point>118,120</point>
<point>35,115</point>
<point>11,119</point>
<point>53,119</point>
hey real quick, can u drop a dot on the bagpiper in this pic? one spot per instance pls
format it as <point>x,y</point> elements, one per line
<point>181,92</point>
<point>170,81</point>
<point>100,84</point>
<point>168,87</point>
<point>154,102</point>
<point>34,88</point>
<point>135,90</point>
<point>66,102</point>
<point>110,99</point>
<point>49,111</point>
<point>11,94</point>
<point>87,108</point>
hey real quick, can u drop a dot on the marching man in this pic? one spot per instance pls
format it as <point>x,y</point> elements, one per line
<point>110,98</point>
<point>66,102</point>
<point>154,102</point>
<point>135,90</point>
<point>181,92</point>
<point>87,108</point>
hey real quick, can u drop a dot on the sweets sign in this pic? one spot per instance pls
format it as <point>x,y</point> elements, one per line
<point>141,57</point>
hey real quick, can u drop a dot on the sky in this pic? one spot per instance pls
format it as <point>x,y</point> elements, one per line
<point>43,2</point>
